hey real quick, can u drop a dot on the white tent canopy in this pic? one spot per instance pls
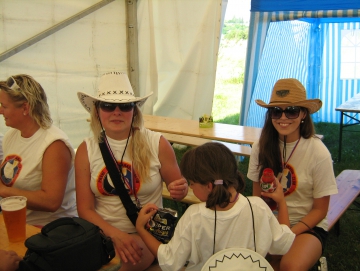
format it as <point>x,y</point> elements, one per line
<point>177,45</point>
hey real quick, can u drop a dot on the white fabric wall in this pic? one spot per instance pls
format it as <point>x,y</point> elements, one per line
<point>178,45</point>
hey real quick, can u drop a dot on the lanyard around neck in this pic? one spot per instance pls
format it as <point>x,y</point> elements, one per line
<point>283,162</point>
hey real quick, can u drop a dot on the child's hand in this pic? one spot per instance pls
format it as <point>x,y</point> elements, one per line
<point>145,214</point>
<point>277,195</point>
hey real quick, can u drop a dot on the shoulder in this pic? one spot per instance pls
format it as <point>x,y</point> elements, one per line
<point>316,146</point>
<point>56,132</point>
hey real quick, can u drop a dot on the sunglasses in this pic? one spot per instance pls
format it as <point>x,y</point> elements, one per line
<point>110,107</point>
<point>11,83</point>
<point>291,112</point>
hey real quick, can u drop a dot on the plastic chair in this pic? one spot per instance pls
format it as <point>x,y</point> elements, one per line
<point>239,259</point>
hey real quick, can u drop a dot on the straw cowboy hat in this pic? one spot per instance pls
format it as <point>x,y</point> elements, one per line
<point>114,87</point>
<point>290,92</point>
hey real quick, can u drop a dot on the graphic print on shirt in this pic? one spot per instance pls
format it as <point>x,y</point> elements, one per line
<point>10,169</point>
<point>289,180</point>
<point>105,185</point>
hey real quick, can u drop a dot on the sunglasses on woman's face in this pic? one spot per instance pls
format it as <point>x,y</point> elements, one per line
<point>110,107</point>
<point>291,112</point>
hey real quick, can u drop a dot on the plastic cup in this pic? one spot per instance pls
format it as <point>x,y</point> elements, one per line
<point>14,213</point>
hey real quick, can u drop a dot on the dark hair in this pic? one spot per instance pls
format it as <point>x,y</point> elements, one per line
<point>269,151</point>
<point>209,162</point>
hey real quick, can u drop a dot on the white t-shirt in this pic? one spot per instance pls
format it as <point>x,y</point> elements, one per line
<point>193,238</point>
<point>107,201</point>
<point>22,168</point>
<point>309,175</point>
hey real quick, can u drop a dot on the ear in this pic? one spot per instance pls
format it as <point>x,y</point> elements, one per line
<point>210,187</point>
<point>26,108</point>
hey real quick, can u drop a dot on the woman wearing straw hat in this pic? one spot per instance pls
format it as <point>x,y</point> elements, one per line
<point>303,165</point>
<point>143,159</point>
<point>38,158</point>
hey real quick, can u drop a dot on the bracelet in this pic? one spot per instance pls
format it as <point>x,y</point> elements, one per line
<point>306,225</point>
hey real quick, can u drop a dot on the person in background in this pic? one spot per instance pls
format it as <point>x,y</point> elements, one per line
<point>303,164</point>
<point>9,260</point>
<point>38,158</point>
<point>223,220</point>
<point>144,159</point>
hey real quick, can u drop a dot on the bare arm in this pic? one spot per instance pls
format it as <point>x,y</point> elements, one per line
<point>125,244</point>
<point>316,214</point>
<point>279,198</point>
<point>145,215</point>
<point>56,164</point>
<point>256,189</point>
<point>170,172</point>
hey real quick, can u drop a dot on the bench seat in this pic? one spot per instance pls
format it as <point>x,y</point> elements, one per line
<point>237,149</point>
<point>348,183</point>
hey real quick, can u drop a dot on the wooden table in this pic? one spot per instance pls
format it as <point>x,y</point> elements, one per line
<point>351,106</point>
<point>20,248</point>
<point>219,131</point>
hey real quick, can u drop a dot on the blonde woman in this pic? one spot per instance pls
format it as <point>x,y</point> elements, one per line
<point>38,158</point>
<point>144,158</point>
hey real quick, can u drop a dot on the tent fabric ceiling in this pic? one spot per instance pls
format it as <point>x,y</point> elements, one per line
<point>178,43</point>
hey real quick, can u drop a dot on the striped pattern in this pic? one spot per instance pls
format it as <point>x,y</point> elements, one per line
<point>306,50</point>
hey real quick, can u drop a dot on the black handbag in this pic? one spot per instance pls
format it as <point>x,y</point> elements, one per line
<point>71,244</point>
<point>164,222</point>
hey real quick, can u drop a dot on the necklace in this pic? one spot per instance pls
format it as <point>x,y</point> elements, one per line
<point>236,197</point>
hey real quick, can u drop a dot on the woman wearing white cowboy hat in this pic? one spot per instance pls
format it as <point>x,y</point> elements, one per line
<point>144,158</point>
<point>303,165</point>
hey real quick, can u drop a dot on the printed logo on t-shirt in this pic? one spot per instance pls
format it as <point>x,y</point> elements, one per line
<point>10,169</point>
<point>105,185</point>
<point>288,180</point>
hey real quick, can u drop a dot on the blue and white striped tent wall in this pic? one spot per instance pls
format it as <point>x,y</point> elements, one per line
<point>314,60</point>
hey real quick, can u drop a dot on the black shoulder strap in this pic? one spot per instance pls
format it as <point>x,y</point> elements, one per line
<point>252,214</point>
<point>131,209</point>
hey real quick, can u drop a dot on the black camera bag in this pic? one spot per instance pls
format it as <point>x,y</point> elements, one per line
<point>67,244</point>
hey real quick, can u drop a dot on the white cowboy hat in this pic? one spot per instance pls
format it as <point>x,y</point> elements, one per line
<point>114,87</point>
<point>290,92</point>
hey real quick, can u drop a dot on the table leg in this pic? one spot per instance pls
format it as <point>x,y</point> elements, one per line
<point>340,135</point>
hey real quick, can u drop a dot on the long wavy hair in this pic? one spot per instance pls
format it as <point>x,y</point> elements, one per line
<point>29,91</point>
<point>138,146</point>
<point>209,162</point>
<point>269,151</point>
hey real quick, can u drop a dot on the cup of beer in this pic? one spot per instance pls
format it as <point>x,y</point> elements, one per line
<point>14,213</point>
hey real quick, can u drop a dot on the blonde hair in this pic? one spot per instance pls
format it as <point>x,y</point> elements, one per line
<point>139,149</point>
<point>31,92</point>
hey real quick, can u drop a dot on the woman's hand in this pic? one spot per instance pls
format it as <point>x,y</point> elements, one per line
<point>9,260</point>
<point>127,247</point>
<point>178,189</point>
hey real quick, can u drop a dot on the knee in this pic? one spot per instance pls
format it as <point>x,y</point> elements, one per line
<point>287,264</point>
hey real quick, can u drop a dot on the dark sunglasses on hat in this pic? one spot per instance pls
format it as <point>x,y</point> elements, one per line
<point>291,112</point>
<point>110,107</point>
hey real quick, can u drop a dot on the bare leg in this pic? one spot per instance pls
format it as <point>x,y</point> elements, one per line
<point>303,254</point>
<point>146,260</point>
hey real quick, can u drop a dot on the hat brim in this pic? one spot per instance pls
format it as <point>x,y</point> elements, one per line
<point>313,105</point>
<point>88,101</point>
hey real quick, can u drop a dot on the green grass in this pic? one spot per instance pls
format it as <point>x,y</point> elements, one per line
<point>342,252</point>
